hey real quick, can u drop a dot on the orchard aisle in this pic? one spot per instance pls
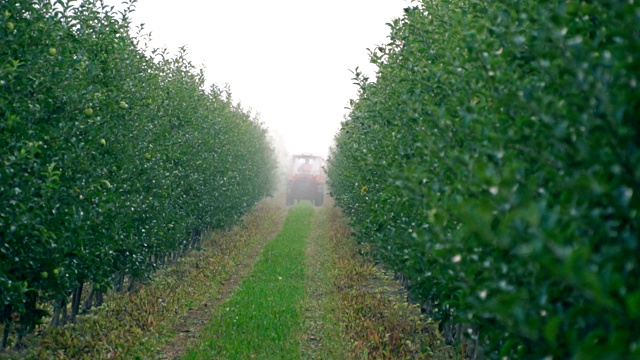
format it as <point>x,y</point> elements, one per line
<point>262,318</point>
<point>312,296</point>
<point>278,286</point>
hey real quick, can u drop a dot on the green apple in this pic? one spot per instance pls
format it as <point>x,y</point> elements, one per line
<point>10,26</point>
<point>53,51</point>
<point>44,274</point>
<point>103,142</point>
<point>88,111</point>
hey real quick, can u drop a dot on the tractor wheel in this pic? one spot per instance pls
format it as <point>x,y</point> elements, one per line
<point>319,200</point>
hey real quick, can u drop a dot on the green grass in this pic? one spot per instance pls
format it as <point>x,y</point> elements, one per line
<point>263,318</point>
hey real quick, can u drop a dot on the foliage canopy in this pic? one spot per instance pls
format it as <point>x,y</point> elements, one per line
<point>494,162</point>
<point>112,155</point>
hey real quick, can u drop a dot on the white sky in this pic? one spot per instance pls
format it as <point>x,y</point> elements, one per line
<point>287,60</point>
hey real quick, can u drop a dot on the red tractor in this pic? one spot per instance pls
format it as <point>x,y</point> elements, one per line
<point>306,179</point>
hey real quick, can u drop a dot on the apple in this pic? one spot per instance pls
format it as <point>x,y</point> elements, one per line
<point>88,111</point>
<point>147,156</point>
<point>10,26</point>
<point>103,142</point>
<point>123,105</point>
<point>53,51</point>
<point>44,274</point>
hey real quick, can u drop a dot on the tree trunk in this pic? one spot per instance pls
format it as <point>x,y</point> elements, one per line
<point>57,310</point>
<point>65,315</point>
<point>118,282</point>
<point>88,302</point>
<point>99,298</point>
<point>5,334</point>
<point>75,302</point>
<point>196,235</point>
<point>21,332</point>
<point>131,282</point>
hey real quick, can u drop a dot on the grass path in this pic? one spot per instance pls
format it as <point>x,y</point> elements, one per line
<point>313,295</point>
<point>262,319</point>
<point>246,247</point>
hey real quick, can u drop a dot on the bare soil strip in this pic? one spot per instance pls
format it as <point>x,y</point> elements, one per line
<point>377,321</point>
<point>322,336</point>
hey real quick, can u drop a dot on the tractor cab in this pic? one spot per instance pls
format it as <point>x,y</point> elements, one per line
<point>306,179</point>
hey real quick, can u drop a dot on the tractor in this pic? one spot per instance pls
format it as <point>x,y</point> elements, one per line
<point>306,179</point>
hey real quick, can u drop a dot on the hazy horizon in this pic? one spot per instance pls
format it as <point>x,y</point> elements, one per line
<point>289,62</point>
